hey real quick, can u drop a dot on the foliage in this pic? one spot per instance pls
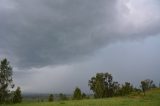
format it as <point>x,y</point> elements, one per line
<point>151,99</point>
<point>5,80</point>
<point>126,89</point>
<point>137,90</point>
<point>84,95</point>
<point>17,98</point>
<point>103,85</point>
<point>147,84</point>
<point>77,94</point>
<point>62,96</point>
<point>51,98</point>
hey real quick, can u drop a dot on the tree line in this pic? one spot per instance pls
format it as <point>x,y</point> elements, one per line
<point>102,85</point>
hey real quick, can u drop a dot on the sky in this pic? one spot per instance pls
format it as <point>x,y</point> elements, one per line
<point>57,45</point>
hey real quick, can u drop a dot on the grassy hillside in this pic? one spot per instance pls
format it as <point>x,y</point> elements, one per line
<point>152,98</point>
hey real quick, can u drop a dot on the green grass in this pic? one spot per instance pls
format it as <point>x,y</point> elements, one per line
<point>152,98</point>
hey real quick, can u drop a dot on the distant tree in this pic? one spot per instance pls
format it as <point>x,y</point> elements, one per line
<point>137,90</point>
<point>84,95</point>
<point>144,86</point>
<point>116,88</point>
<point>17,97</point>
<point>150,83</point>
<point>62,96</point>
<point>126,89</point>
<point>154,86</point>
<point>5,80</point>
<point>42,100</point>
<point>103,85</point>
<point>51,98</point>
<point>77,94</point>
<point>147,84</point>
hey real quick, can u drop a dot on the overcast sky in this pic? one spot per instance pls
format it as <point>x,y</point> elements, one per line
<point>56,45</point>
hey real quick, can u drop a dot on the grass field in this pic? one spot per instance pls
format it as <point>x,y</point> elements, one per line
<point>152,98</point>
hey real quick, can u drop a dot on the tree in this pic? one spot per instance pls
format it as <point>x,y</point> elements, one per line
<point>5,80</point>
<point>102,85</point>
<point>126,89</point>
<point>97,85</point>
<point>116,88</point>
<point>147,84</point>
<point>51,98</point>
<point>144,86</point>
<point>137,90</point>
<point>77,94</point>
<point>17,97</point>
<point>62,96</point>
<point>153,86</point>
<point>84,95</point>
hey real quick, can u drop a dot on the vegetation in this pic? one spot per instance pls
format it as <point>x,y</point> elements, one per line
<point>102,85</point>
<point>5,81</point>
<point>62,96</point>
<point>126,89</point>
<point>151,99</point>
<point>77,94</point>
<point>147,84</point>
<point>84,96</point>
<point>51,98</point>
<point>17,98</point>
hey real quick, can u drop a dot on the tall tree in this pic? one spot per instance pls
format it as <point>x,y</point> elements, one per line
<point>17,97</point>
<point>99,87</point>
<point>77,94</point>
<point>5,80</point>
<point>102,85</point>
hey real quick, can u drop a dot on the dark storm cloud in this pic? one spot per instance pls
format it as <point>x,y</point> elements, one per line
<point>44,32</point>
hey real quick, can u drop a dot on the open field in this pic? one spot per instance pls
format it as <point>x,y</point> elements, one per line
<point>152,98</point>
